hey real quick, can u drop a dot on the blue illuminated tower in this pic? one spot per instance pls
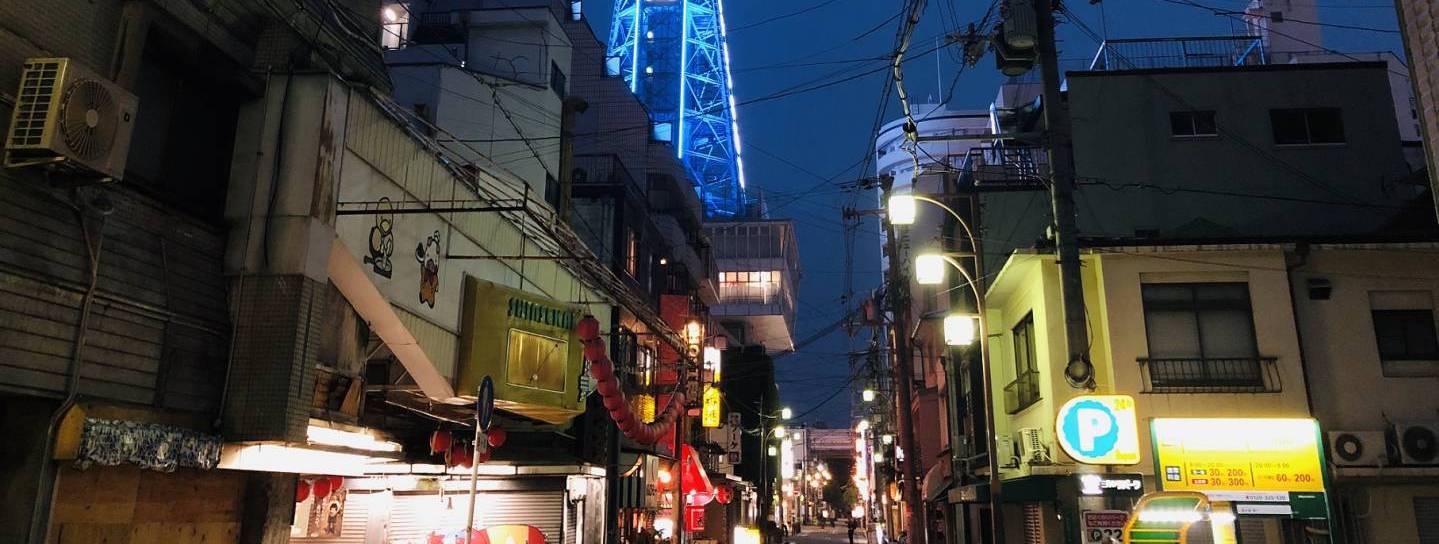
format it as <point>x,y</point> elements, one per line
<point>673,55</point>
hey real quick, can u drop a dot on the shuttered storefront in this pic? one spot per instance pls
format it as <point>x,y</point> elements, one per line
<point>415,516</point>
<point>1426,516</point>
<point>1033,523</point>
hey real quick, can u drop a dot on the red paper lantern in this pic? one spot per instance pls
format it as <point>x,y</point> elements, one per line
<point>461,456</point>
<point>321,487</point>
<point>302,491</point>
<point>588,328</point>
<point>337,482</point>
<point>497,437</point>
<point>482,457</point>
<point>440,441</point>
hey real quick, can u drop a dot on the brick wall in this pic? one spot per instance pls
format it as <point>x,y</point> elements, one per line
<point>1420,22</point>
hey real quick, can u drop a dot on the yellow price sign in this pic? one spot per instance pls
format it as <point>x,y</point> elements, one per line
<point>1238,454</point>
<point>710,408</point>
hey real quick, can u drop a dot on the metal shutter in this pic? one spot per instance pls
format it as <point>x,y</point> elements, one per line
<point>1426,516</point>
<point>1033,524</point>
<point>1253,530</point>
<point>414,516</point>
<point>353,525</point>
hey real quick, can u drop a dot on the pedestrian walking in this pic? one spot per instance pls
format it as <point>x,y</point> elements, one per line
<point>852,526</point>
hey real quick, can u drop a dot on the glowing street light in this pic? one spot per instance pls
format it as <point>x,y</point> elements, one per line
<point>862,426</point>
<point>960,330</point>
<point>867,394</point>
<point>929,269</point>
<point>902,210</point>
<point>887,439</point>
<point>785,413</point>
<point>779,431</point>
<point>773,451</point>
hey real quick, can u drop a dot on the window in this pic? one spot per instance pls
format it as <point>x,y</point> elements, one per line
<point>1024,390</point>
<point>1201,339</point>
<point>752,287</point>
<point>632,253</point>
<point>1188,124</point>
<point>394,26</point>
<point>1305,126</point>
<point>1404,331</point>
<point>557,80</point>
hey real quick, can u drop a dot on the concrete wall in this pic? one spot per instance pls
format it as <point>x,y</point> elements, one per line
<point>1134,176</point>
<point>1350,389</point>
<point>1419,20</point>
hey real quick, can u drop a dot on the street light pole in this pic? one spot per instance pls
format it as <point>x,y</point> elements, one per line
<point>899,301</point>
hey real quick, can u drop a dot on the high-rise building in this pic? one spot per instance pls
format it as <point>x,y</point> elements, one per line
<point>674,57</point>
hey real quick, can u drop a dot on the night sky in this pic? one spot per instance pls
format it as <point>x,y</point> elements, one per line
<point>800,148</point>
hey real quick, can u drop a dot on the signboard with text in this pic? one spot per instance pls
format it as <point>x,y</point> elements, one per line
<point>1102,526</point>
<point>1227,455</point>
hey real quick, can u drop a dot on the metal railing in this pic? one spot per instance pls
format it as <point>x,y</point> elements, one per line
<point>1210,375</point>
<point>1005,168</point>
<point>1022,392</point>
<point>1149,53</point>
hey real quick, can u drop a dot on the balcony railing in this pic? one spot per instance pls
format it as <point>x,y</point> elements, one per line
<point>1004,168</point>
<point>1210,375</point>
<point>1150,53</point>
<point>1022,392</point>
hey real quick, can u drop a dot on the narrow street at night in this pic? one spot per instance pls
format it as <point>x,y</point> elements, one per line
<point>719,272</point>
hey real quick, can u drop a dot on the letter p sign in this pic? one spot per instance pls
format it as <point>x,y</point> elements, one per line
<point>1099,430</point>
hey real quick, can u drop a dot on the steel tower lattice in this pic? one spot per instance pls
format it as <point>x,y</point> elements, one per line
<point>673,55</point>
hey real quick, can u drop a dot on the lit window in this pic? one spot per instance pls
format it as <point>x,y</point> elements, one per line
<point>394,26</point>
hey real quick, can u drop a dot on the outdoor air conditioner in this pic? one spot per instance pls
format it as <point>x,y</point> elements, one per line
<point>1358,448</point>
<point>67,116</point>
<point>1418,442</point>
<point>1031,446</point>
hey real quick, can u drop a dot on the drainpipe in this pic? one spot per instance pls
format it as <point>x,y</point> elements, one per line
<point>99,207</point>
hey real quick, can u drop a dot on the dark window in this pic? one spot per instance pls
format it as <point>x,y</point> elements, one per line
<point>1024,390</point>
<point>1307,126</point>
<point>1192,123</point>
<point>1406,335</point>
<point>1201,335</point>
<point>557,80</point>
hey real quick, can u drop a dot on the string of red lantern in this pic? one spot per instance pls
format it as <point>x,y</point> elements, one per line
<point>603,371</point>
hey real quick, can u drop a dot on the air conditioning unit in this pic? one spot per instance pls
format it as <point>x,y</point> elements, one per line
<point>66,115</point>
<point>1358,448</point>
<point>1004,445</point>
<point>1031,446</point>
<point>1418,442</point>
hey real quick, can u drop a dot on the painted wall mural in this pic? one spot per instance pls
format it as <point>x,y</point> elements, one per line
<point>382,241</point>
<point>427,253</point>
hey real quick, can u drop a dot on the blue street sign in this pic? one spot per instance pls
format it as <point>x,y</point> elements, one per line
<point>485,403</point>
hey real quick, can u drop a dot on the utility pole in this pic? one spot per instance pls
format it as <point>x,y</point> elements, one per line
<point>1079,372</point>
<point>899,303</point>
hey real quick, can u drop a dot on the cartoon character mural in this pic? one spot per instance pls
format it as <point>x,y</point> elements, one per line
<point>382,241</point>
<point>427,253</point>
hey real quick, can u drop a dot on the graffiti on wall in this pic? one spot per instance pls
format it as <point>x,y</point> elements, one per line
<point>427,253</point>
<point>382,241</point>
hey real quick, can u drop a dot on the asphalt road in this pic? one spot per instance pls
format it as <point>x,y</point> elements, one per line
<point>826,535</point>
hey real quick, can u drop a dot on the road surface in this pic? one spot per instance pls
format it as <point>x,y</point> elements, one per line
<point>826,535</point>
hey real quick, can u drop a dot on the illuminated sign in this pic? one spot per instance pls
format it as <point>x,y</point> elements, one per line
<point>710,411</point>
<point>712,364</point>
<point>527,343</point>
<point>1238,454</point>
<point>1099,430</point>
<point>1110,484</point>
<point>1102,526</point>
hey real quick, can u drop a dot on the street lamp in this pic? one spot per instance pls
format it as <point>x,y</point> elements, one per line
<point>779,431</point>
<point>959,329</point>
<point>867,395</point>
<point>902,209</point>
<point>785,413</point>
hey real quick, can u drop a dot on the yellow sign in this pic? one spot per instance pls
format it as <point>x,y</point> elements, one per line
<point>1277,455</point>
<point>710,412</point>
<point>526,343</point>
<point>1099,429</point>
